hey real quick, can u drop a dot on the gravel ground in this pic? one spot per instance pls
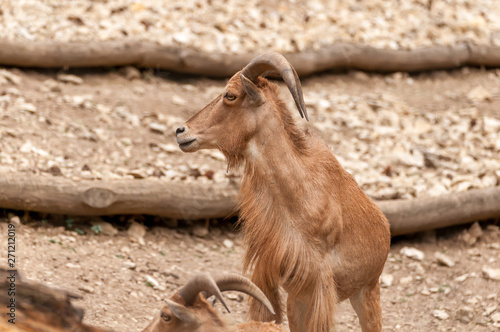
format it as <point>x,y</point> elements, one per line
<point>447,281</point>
<point>237,26</point>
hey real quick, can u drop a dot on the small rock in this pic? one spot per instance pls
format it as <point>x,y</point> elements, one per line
<point>130,73</point>
<point>86,289</point>
<point>177,100</point>
<point>471,235</point>
<point>129,265</point>
<point>461,278</point>
<point>491,125</point>
<point>496,317</point>
<point>479,94</point>
<point>12,78</point>
<point>235,297</point>
<point>440,314</point>
<point>406,280</point>
<point>200,230</point>
<point>136,232</point>
<point>68,78</point>
<point>228,244</point>
<point>27,107</point>
<point>386,280</point>
<point>152,281</point>
<point>73,266</point>
<point>490,273</point>
<point>425,291</point>
<point>50,86</point>
<point>106,227</point>
<point>138,173</point>
<point>412,253</point>
<point>55,170</point>
<point>16,221</point>
<point>157,127</point>
<point>444,260</point>
<point>465,314</point>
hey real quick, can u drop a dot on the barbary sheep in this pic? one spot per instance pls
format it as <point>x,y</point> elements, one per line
<point>188,311</point>
<point>308,226</point>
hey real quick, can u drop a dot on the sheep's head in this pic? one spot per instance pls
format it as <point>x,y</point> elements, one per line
<point>231,119</point>
<point>188,310</point>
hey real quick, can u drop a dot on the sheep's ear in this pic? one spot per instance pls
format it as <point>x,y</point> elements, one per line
<point>253,91</point>
<point>183,313</point>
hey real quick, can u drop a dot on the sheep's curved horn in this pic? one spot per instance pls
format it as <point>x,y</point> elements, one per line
<point>199,283</point>
<point>235,282</point>
<point>268,63</point>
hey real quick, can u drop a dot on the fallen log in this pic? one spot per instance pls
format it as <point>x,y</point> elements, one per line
<point>54,54</point>
<point>37,308</point>
<point>154,197</point>
<point>200,201</point>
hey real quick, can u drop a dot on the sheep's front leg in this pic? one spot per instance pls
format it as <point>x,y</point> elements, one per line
<point>313,309</point>
<point>366,303</point>
<point>296,311</point>
<point>258,311</point>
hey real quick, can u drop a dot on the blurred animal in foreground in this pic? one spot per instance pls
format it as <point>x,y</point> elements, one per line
<point>37,308</point>
<point>188,310</point>
<point>308,226</point>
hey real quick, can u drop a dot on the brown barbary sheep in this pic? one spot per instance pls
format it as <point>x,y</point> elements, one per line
<point>308,226</point>
<point>188,310</point>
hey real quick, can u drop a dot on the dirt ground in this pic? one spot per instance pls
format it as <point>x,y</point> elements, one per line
<point>113,272</point>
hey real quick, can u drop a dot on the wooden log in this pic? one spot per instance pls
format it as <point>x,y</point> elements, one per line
<point>38,308</point>
<point>155,197</point>
<point>53,54</point>
<point>421,214</point>
<point>201,201</point>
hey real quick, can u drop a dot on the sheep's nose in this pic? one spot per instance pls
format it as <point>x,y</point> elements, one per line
<point>180,130</point>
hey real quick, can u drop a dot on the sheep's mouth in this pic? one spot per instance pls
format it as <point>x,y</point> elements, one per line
<point>184,144</point>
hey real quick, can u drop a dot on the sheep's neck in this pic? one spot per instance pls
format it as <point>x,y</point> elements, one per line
<point>274,167</point>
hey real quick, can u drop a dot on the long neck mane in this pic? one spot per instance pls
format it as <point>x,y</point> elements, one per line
<point>282,187</point>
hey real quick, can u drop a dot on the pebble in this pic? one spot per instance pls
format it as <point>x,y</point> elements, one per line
<point>11,77</point>
<point>130,73</point>
<point>129,265</point>
<point>471,236</point>
<point>444,260</point>
<point>465,314</point>
<point>386,280</point>
<point>16,221</point>
<point>27,107</point>
<point>412,253</point>
<point>152,281</point>
<point>68,78</point>
<point>406,280</point>
<point>86,289</point>
<point>200,230</point>
<point>177,100</point>
<point>136,232</point>
<point>107,228</point>
<point>479,94</point>
<point>157,128</point>
<point>229,244</point>
<point>440,314</point>
<point>491,273</point>
<point>496,317</point>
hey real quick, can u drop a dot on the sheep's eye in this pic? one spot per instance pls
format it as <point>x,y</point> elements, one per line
<point>165,317</point>
<point>229,96</point>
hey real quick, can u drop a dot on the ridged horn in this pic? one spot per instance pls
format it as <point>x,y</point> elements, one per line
<point>235,282</point>
<point>268,63</point>
<point>201,283</point>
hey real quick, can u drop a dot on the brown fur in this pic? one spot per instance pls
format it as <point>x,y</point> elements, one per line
<point>210,320</point>
<point>308,226</point>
